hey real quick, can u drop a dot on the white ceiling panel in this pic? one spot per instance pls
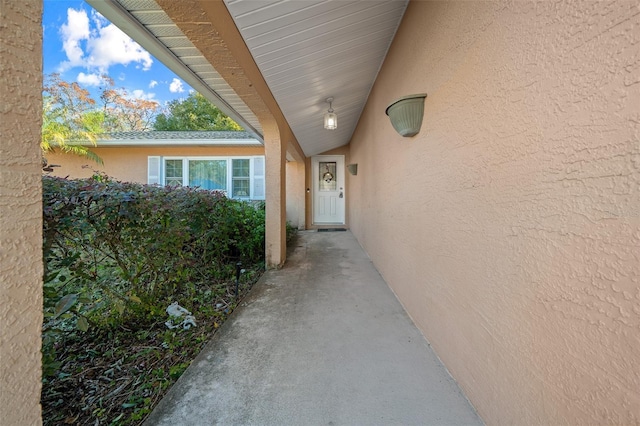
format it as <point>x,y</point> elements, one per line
<point>174,42</point>
<point>307,51</point>
<point>160,31</point>
<point>152,17</point>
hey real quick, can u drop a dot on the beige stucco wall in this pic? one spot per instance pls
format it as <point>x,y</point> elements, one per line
<point>509,226</point>
<point>129,164</point>
<point>296,194</point>
<point>20,211</point>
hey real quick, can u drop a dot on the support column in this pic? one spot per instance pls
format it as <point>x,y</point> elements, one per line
<point>20,211</point>
<point>295,193</point>
<point>275,153</point>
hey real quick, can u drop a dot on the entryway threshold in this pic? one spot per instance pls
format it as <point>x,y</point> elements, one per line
<point>321,341</point>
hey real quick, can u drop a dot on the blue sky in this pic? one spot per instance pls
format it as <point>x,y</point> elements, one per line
<point>82,45</point>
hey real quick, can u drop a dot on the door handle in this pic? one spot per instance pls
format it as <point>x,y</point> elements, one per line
<point>341,194</point>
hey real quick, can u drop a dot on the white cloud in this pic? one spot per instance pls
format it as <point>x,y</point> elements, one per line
<point>89,79</point>
<point>75,30</point>
<point>111,46</point>
<point>103,46</point>
<point>176,86</point>
<point>141,94</point>
<point>152,84</point>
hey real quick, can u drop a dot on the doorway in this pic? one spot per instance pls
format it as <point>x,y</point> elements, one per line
<point>328,190</point>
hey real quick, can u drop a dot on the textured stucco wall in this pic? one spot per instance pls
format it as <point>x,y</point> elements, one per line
<point>20,211</point>
<point>295,194</point>
<point>509,226</point>
<point>129,164</point>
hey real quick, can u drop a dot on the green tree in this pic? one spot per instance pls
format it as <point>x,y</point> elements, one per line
<point>71,117</point>
<point>194,113</point>
<point>68,116</point>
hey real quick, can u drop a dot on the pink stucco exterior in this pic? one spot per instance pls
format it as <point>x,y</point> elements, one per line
<point>129,164</point>
<point>509,227</point>
<point>20,211</point>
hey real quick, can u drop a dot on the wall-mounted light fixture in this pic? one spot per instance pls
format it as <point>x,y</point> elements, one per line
<point>330,118</point>
<point>406,114</point>
<point>353,168</point>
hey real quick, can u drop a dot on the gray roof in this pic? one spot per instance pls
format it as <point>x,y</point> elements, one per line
<point>176,135</point>
<point>166,138</point>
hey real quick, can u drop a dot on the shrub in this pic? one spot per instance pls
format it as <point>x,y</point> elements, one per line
<point>118,253</point>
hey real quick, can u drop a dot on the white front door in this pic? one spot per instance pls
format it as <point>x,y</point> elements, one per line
<point>328,189</point>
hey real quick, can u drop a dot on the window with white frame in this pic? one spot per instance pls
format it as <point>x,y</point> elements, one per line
<point>173,173</point>
<point>239,177</point>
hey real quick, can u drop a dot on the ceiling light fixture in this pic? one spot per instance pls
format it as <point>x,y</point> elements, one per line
<point>330,119</point>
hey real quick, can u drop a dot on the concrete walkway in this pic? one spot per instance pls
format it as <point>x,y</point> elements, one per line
<point>322,341</point>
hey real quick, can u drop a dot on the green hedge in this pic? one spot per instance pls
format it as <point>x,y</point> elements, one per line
<point>118,253</point>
